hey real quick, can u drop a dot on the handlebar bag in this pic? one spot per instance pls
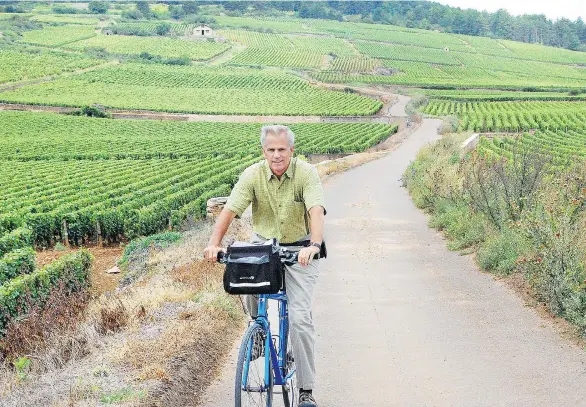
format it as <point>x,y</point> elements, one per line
<point>253,268</point>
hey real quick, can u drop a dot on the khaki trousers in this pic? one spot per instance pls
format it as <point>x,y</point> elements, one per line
<point>299,282</point>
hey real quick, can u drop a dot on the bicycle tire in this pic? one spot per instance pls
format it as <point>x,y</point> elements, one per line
<point>290,391</point>
<point>264,399</point>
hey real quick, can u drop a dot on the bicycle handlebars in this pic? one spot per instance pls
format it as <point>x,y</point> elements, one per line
<point>287,256</point>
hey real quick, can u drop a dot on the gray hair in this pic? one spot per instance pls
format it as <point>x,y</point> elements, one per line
<point>276,129</point>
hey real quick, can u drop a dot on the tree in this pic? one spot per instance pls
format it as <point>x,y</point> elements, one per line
<point>501,24</point>
<point>98,7</point>
<point>163,28</point>
<point>132,14</point>
<point>176,12</point>
<point>143,7</point>
<point>190,7</point>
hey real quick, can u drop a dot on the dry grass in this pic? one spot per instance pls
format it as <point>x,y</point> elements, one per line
<point>156,342</point>
<point>112,317</point>
<point>326,168</point>
<point>56,322</point>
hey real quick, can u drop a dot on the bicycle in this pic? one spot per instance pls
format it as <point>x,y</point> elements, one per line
<point>264,360</point>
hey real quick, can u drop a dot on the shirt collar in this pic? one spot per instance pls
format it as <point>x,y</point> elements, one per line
<point>289,173</point>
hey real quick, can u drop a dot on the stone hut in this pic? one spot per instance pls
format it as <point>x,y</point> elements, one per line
<point>203,31</point>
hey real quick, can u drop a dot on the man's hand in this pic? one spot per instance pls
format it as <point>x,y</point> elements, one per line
<point>210,253</point>
<point>306,255</point>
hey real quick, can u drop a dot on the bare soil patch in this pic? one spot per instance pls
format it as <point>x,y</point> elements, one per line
<point>105,258</point>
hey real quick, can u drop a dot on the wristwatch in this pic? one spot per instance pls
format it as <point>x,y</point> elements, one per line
<point>316,244</point>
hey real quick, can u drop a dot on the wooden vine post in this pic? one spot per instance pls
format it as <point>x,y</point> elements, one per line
<point>65,234</point>
<point>99,233</point>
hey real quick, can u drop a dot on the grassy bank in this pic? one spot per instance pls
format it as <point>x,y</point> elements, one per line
<point>519,214</point>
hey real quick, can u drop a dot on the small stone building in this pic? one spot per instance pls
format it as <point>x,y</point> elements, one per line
<point>203,31</point>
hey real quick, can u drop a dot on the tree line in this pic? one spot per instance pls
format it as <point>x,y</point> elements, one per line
<point>531,28</point>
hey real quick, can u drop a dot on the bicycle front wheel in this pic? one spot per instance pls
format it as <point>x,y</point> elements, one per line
<point>252,386</point>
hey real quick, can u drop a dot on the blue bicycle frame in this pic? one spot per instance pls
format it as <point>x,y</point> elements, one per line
<point>276,357</point>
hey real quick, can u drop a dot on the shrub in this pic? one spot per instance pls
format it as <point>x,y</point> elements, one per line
<point>417,101</point>
<point>503,189</point>
<point>64,10</point>
<point>15,263</point>
<point>17,239</point>
<point>163,28</point>
<point>435,174</point>
<point>449,125</point>
<point>98,7</point>
<point>465,229</point>
<point>502,250</point>
<point>178,61</point>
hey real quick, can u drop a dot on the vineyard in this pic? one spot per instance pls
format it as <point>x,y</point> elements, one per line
<point>294,51</point>
<point>17,65</point>
<point>58,36</point>
<point>109,87</point>
<point>150,28</point>
<point>50,136</point>
<point>495,96</point>
<point>165,47</point>
<point>66,19</point>
<point>512,116</point>
<point>565,147</point>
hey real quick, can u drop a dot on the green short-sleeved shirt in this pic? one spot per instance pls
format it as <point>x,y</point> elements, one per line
<point>279,207</point>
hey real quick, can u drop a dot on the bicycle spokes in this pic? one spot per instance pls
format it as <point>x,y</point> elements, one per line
<point>254,386</point>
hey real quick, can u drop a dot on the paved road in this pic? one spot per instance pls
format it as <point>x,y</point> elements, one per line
<point>404,322</point>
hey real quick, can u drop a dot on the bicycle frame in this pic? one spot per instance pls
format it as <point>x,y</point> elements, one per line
<point>276,357</point>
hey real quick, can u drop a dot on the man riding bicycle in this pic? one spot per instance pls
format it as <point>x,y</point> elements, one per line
<point>287,204</point>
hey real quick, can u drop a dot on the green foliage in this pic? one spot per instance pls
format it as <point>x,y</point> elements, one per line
<point>132,14</point>
<point>512,116</point>
<point>504,189</point>
<point>163,28</point>
<point>92,111</point>
<point>201,90</point>
<point>144,8</point>
<point>449,125</point>
<point>16,65</point>
<point>15,263</point>
<point>178,61</point>
<point>503,250</point>
<point>54,36</point>
<point>25,291</point>
<point>64,9</point>
<point>125,394</point>
<point>137,247</point>
<point>463,228</point>
<point>16,239</point>
<point>98,7</point>
<point>190,7</point>
<point>517,221</point>
<point>22,366</point>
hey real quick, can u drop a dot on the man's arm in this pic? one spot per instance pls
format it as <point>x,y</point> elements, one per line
<point>316,230</point>
<point>222,223</point>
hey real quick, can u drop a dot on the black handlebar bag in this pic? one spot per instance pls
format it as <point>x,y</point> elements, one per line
<point>253,268</point>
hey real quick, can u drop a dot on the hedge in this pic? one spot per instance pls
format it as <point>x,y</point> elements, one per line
<point>29,290</point>
<point>17,239</point>
<point>16,263</point>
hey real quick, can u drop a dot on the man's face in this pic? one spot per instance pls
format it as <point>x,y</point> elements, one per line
<point>277,152</point>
